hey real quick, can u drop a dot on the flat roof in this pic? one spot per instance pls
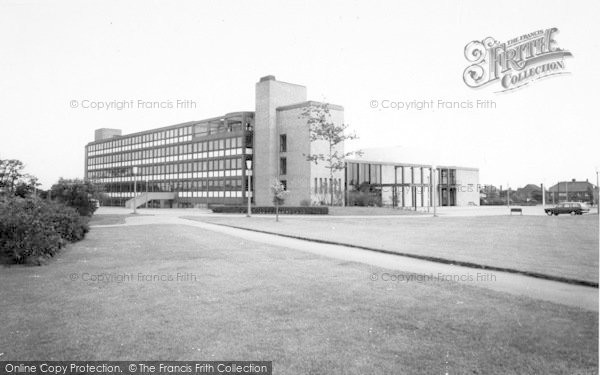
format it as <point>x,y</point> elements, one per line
<point>309,103</point>
<point>169,127</point>
<point>400,164</point>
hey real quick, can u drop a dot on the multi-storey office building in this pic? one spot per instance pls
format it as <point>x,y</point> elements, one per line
<point>205,162</point>
<point>199,161</point>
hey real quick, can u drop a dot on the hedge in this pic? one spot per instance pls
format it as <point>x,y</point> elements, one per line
<point>32,229</point>
<point>283,210</point>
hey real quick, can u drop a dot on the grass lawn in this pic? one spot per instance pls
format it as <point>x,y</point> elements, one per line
<point>562,246</point>
<point>308,314</point>
<point>110,219</point>
<point>372,211</point>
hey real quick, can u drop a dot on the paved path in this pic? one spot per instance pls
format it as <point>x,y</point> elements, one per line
<point>442,212</point>
<point>552,291</point>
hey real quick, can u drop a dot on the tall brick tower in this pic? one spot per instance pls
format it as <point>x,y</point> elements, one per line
<point>270,94</point>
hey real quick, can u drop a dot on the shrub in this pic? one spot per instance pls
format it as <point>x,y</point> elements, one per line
<point>78,194</point>
<point>360,198</point>
<point>67,222</point>
<point>32,228</point>
<point>305,202</point>
<point>285,210</point>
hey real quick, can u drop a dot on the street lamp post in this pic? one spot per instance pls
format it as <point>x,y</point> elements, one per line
<point>434,190</point>
<point>543,195</point>
<point>249,169</point>
<point>134,170</point>
<point>598,192</point>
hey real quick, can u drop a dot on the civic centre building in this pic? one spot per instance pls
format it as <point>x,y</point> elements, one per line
<point>219,161</point>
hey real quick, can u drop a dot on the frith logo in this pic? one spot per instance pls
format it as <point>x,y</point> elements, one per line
<point>515,63</point>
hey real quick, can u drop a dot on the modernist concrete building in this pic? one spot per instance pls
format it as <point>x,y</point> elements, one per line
<point>410,186</point>
<point>205,162</point>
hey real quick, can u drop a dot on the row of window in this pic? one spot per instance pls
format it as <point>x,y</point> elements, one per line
<point>358,173</point>
<point>177,135</point>
<point>171,176</point>
<point>177,186</point>
<point>156,136</point>
<point>325,185</point>
<point>110,147</point>
<point>206,146</point>
<point>197,166</point>
<point>190,194</point>
<point>169,159</point>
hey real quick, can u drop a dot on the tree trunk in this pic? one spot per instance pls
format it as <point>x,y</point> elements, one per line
<point>331,185</point>
<point>276,211</point>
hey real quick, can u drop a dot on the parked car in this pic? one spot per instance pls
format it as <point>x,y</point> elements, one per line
<point>573,208</point>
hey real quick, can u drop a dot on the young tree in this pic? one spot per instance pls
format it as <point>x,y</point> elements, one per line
<point>323,128</point>
<point>279,194</point>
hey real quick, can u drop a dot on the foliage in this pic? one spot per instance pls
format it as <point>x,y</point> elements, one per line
<point>14,181</point>
<point>78,194</point>
<point>279,194</point>
<point>33,228</point>
<point>364,194</point>
<point>322,128</point>
<point>269,210</point>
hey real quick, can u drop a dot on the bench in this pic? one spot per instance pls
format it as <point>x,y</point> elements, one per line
<point>516,209</point>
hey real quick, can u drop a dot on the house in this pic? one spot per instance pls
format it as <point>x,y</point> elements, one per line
<point>572,191</point>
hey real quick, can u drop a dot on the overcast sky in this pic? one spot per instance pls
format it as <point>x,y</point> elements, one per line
<point>347,53</point>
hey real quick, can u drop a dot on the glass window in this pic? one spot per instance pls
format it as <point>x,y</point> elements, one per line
<point>283,143</point>
<point>282,165</point>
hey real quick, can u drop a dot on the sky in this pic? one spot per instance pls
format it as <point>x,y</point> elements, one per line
<point>358,54</point>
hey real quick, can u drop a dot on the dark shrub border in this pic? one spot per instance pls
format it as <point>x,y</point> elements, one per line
<point>283,210</point>
<point>33,229</point>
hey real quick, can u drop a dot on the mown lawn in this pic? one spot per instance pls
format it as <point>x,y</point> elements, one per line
<point>308,314</point>
<point>562,246</point>
<point>110,219</point>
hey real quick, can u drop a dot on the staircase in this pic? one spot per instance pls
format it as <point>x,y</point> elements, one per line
<point>142,198</point>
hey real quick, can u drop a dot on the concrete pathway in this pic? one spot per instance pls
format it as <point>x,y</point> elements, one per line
<point>424,271</point>
<point>441,211</point>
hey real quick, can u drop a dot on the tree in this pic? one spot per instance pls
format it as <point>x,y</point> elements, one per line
<point>78,194</point>
<point>279,194</point>
<point>14,182</point>
<point>323,128</point>
<point>11,173</point>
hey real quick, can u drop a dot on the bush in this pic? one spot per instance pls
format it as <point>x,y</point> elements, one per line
<point>78,194</point>
<point>305,202</point>
<point>285,210</point>
<point>361,198</point>
<point>31,229</point>
<point>68,223</point>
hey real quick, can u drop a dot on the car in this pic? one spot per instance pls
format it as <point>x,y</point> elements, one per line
<point>573,208</point>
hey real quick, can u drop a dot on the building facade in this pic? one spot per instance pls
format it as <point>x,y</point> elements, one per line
<point>226,159</point>
<point>410,186</point>
<point>572,191</point>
